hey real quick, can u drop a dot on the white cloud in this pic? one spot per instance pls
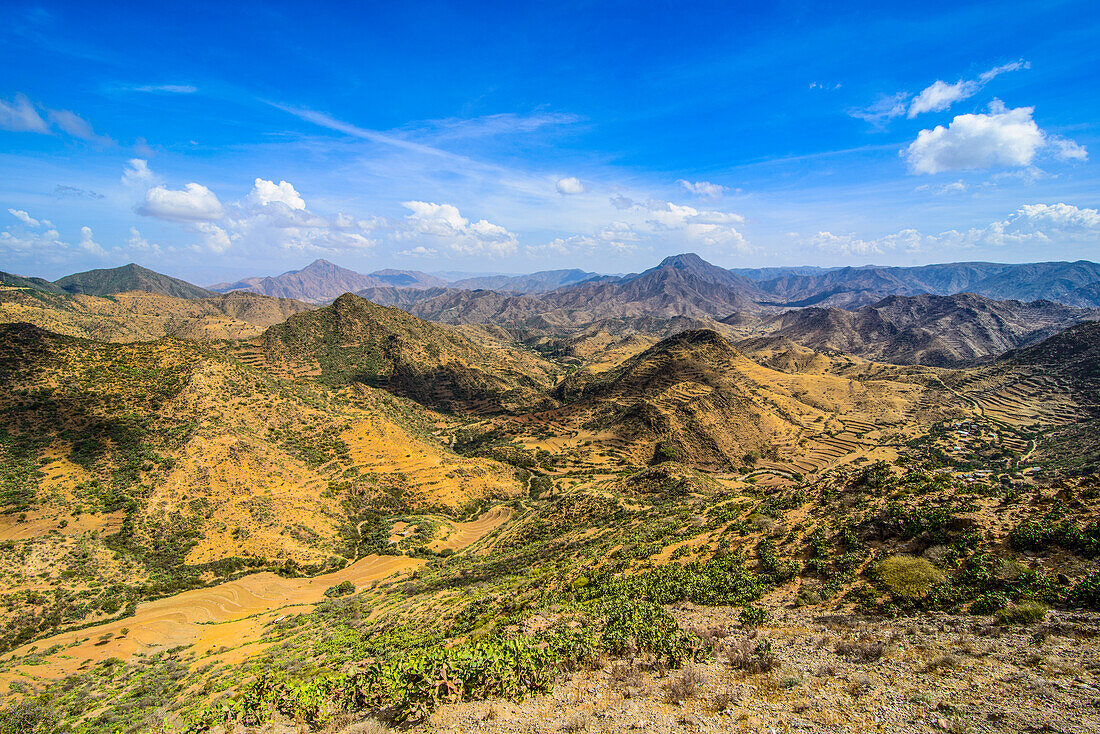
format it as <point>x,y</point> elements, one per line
<point>164,88</point>
<point>653,222</point>
<point>77,126</point>
<point>36,238</point>
<point>88,243</point>
<point>1028,226</point>
<point>137,244</point>
<point>702,188</point>
<point>443,222</point>
<point>25,218</point>
<point>193,203</point>
<point>1067,150</point>
<point>270,216</point>
<point>138,174</point>
<point>46,243</point>
<point>1002,137</point>
<point>936,97</point>
<point>986,76</point>
<point>570,185</point>
<point>20,116</point>
<point>268,192</point>
<point>955,187</point>
<point>941,95</point>
<point>847,244</point>
<point>419,251</point>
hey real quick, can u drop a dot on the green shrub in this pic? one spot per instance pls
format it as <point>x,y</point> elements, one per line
<point>1085,593</point>
<point>989,603</point>
<point>644,627</point>
<point>908,577</point>
<point>1028,612</point>
<point>341,589</point>
<point>409,685</point>
<point>716,582</point>
<point>28,716</point>
<point>752,616</point>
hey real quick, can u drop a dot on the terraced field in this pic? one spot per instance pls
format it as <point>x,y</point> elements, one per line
<point>223,622</point>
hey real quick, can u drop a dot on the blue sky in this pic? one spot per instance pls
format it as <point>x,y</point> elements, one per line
<point>213,141</point>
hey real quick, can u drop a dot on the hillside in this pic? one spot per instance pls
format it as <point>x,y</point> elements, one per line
<point>684,285</point>
<point>171,466</point>
<point>355,341</point>
<point>38,284</point>
<point>695,398</point>
<point>143,316</point>
<point>932,330</point>
<point>126,278</point>
<point>1074,353</point>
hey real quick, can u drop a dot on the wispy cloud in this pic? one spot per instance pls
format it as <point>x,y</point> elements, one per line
<point>22,115</point>
<point>160,88</point>
<point>936,97</point>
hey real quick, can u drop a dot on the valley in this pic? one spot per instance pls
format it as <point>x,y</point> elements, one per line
<point>658,502</point>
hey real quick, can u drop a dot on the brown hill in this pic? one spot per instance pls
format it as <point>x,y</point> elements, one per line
<point>932,330</point>
<point>143,316</point>
<point>695,398</point>
<point>355,341</point>
<point>189,466</point>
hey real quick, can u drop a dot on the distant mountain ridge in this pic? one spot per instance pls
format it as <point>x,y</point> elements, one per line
<point>318,282</point>
<point>538,282</point>
<point>926,329</point>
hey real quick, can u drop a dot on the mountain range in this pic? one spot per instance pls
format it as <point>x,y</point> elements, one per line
<point>937,315</point>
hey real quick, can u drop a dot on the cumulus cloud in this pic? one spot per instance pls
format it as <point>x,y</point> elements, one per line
<point>88,243</point>
<point>570,185</point>
<point>20,116</point>
<point>271,215</point>
<point>36,238</point>
<point>703,188</point>
<point>25,218</point>
<point>1030,225</point>
<point>268,192</point>
<point>848,244</point>
<point>448,229</point>
<point>1000,138</point>
<point>193,203</point>
<point>654,222</point>
<point>138,174</point>
<point>137,244</point>
<point>419,251</point>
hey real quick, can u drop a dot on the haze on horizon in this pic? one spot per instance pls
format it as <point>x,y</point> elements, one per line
<point>213,142</point>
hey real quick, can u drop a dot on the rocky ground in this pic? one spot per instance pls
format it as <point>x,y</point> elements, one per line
<point>824,673</point>
<point>831,674</point>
